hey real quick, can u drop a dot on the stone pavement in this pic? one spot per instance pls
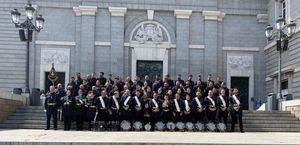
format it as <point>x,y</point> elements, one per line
<point>41,137</point>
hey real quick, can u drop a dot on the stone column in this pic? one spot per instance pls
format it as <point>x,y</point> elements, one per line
<point>85,45</point>
<point>182,41</point>
<point>117,61</point>
<point>211,57</point>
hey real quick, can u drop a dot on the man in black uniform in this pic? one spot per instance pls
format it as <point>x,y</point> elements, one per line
<point>91,108</point>
<point>79,111</point>
<point>137,106</point>
<point>236,110</point>
<point>51,106</point>
<point>178,106</point>
<point>199,114</point>
<point>114,110</point>
<point>102,105</point>
<point>102,79</point>
<point>126,103</point>
<point>222,104</point>
<point>68,103</point>
<point>210,105</point>
<point>155,105</point>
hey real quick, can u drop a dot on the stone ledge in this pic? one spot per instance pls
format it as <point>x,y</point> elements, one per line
<point>182,14</point>
<point>117,11</point>
<point>213,15</point>
<point>85,10</point>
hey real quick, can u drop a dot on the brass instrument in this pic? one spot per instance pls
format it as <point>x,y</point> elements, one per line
<point>223,108</point>
<point>165,106</point>
<point>212,108</point>
<point>126,107</point>
<point>236,107</point>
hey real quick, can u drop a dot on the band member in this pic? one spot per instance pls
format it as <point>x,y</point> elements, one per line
<point>68,103</point>
<point>222,104</point>
<point>126,103</point>
<point>137,106</point>
<point>114,107</point>
<point>79,111</point>
<point>236,110</point>
<point>211,107</point>
<point>102,106</point>
<point>199,113</point>
<point>155,105</point>
<point>91,111</point>
<point>187,111</point>
<point>166,114</point>
<point>178,106</point>
<point>146,109</point>
<point>51,105</point>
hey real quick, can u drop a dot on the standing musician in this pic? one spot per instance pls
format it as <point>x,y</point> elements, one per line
<point>199,113</point>
<point>126,103</point>
<point>166,114</point>
<point>178,106</point>
<point>187,112</point>
<point>211,108</point>
<point>102,106</point>
<point>114,109</point>
<point>68,103</point>
<point>155,105</point>
<point>51,105</point>
<point>222,105</point>
<point>91,109</point>
<point>137,106</point>
<point>236,110</point>
<point>79,111</point>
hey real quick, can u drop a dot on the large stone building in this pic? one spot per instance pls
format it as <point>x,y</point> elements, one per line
<point>134,37</point>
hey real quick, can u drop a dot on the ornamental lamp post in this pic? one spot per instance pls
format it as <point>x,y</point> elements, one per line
<point>27,27</point>
<point>281,42</point>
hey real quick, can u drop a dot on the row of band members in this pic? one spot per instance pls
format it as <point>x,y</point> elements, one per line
<point>214,107</point>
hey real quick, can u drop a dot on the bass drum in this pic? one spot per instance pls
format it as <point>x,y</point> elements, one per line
<point>125,125</point>
<point>170,126</point>
<point>211,126</point>
<point>199,126</point>
<point>159,126</point>
<point>189,126</point>
<point>137,126</point>
<point>180,126</point>
<point>221,127</point>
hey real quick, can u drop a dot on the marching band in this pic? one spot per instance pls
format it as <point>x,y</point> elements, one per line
<point>135,105</point>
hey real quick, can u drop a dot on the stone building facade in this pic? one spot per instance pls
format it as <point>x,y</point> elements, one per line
<point>218,37</point>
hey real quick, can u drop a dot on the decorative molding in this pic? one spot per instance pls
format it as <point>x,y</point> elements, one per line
<point>270,45</point>
<point>196,46</point>
<point>183,14</point>
<point>149,33</point>
<point>150,45</point>
<point>150,14</point>
<point>117,11</point>
<point>102,43</point>
<point>85,10</point>
<point>297,69</point>
<point>286,69</point>
<point>262,18</point>
<point>240,62</point>
<point>43,42</point>
<point>268,79</point>
<point>241,48</point>
<point>58,56</point>
<point>213,15</point>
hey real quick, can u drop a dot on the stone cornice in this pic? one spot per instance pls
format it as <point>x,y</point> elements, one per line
<point>43,42</point>
<point>117,11</point>
<point>182,14</point>
<point>241,48</point>
<point>85,10</point>
<point>262,18</point>
<point>213,15</point>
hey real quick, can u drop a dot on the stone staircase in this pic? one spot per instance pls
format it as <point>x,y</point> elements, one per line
<point>33,117</point>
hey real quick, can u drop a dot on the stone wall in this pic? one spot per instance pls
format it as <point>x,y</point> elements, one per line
<point>9,103</point>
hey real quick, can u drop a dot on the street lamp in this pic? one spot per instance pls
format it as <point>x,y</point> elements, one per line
<point>29,27</point>
<point>281,42</point>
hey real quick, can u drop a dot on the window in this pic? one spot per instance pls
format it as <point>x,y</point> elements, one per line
<point>283,10</point>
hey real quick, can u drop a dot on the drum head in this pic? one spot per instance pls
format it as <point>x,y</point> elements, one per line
<point>199,126</point>
<point>189,126</point>
<point>171,126</point>
<point>211,126</point>
<point>160,126</point>
<point>148,127</point>
<point>180,126</point>
<point>221,127</point>
<point>125,125</point>
<point>137,125</point>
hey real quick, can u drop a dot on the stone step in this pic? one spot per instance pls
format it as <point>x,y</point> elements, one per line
<point>27,117</point>
<point>271,121</point>
<point>268,115</point>
<point>272,125</point>
<point>29,114</point>
<point>30,111</point>
<point>267,112</point>
<point>269,118</point>
<point>272,129</point>
<point>32,107</point>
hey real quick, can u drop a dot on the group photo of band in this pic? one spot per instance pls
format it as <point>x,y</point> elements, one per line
<point>99,103</point>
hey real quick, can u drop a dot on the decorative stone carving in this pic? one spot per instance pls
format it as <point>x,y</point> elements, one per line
<point>149,32</point>
<point>58,56</point>
<point>240,62</point>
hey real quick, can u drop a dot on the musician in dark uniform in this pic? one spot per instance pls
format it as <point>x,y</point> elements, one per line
<point>114,109</point>
<point>187,110</point>
<point>236,110</point>
<point>92,108</point>
<point>102,106</point>
<point>126,103</point>
<point>155,105</point>
<point>178,106</point>
<point>167,111</point>
<point>137,108</point>
<point>146,109</point>
<point>199,113</point>
<point>51,104</point>
<point>79,111</point>
<point>222,104</point>
<point>211,109</point>
<point>68,103</point>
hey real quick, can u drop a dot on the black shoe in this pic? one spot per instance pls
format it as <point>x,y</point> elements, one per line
<point>242,131</point>
<point>46,129</point>
<point>55,128</point>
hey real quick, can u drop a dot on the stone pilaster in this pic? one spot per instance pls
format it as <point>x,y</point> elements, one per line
<point>85,38</point>
<point>182,41</point>
<point>117,61</point>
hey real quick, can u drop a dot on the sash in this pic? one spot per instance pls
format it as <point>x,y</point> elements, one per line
<point>177,105</point>
<point>126,101</point>
<point>155,103</point>
<point>187,107</point>
<point>116,102</point>
<point>211,100</point>
<point>137,101</point>
<point>236,100</point>
<point>102,102</point>
<point>223,101</point>
<point>198,102</point>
